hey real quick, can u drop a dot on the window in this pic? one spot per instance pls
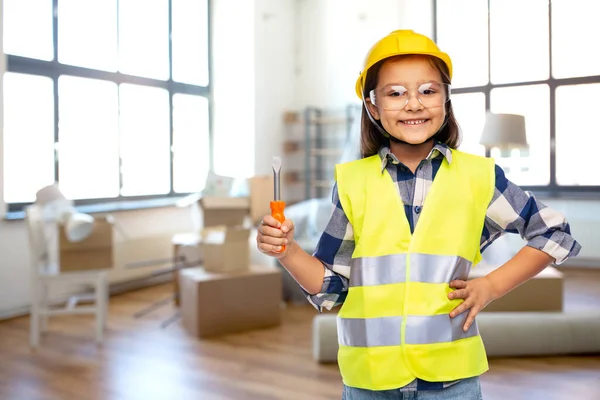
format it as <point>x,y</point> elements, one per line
<point>532,58</point>
<point>108,97</point>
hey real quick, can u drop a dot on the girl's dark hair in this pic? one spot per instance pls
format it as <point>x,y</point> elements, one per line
<point>371,138</point>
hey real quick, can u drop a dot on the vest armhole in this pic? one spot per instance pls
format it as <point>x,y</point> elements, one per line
<point>490,168</point>
<point>340,180</point>
<point>492,171</point>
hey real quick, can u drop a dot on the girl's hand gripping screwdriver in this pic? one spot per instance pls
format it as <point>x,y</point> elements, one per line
<point>277,205</point>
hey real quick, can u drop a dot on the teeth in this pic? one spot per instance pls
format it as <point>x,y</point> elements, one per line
<point>417,122</point>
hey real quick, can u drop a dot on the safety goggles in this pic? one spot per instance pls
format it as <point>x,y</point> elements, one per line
<point>396,97</point>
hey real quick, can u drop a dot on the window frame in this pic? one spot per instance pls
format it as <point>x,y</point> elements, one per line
<point>552,189</point>
<point>54,69</point>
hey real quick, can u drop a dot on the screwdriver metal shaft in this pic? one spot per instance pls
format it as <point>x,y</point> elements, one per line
<point>277,205</point>
<point>276,178</point>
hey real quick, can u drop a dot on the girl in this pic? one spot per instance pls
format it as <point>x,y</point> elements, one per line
<point>411,218</point>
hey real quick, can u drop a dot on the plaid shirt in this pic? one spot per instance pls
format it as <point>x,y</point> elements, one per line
<point>511,210</point>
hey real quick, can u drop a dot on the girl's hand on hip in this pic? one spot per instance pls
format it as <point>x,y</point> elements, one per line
<point>477,293</point>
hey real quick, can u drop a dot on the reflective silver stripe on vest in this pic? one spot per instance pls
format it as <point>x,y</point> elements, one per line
<point>438,329</point>
<point>386,331</point>
<point>372,271</point>
<point>438,269</point>
<point>361,332</point>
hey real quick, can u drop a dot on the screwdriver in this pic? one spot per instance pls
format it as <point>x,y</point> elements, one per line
<point>277,205</point>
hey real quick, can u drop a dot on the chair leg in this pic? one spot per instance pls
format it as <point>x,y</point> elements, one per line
<point>34,315</point>
<point>44,301</point>
<point>105,302</point>
<point>101,307</point>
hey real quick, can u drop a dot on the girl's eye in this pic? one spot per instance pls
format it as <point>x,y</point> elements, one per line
<point>428,89</point>
<point>397,92</point>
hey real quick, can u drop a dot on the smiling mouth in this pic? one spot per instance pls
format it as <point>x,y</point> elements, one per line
<point>414,122</point>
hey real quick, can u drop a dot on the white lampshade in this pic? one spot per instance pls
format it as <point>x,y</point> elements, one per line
<point>78,227</point>
<point>56,207</point>
<point>504,131</point>
<point>53,202</point>
<point>49,194</point>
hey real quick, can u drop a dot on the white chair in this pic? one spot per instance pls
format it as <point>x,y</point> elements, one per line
<point>45,272</point>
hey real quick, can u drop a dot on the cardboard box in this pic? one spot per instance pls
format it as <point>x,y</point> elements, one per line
<point>226,249</point>
<point>261,195</point>
<point>228,211</point>
<point>224,241</point>
<point>93,253</point>
<point>232,211</point>
<point>543,292</point>
<point>221,303</point>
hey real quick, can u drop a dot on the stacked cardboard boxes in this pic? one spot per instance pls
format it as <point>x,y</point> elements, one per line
<point>223,242</point>
<point>227,294</point>
<point>224,239</point>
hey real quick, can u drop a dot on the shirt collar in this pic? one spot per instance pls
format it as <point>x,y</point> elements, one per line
<point>439,150</point>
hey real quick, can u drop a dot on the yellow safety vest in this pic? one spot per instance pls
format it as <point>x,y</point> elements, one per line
<point>394,325</point>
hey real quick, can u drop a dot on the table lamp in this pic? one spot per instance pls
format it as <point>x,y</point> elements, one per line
<point>505,132</point>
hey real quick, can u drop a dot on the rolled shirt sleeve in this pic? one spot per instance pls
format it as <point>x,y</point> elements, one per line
<point>513,210</point>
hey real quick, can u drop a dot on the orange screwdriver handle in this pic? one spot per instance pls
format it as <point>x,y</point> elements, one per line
<point>277,208</point>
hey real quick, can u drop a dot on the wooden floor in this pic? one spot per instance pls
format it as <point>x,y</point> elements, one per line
<point>140,360</point>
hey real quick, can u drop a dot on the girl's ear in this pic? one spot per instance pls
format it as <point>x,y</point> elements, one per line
<point>373,109</point>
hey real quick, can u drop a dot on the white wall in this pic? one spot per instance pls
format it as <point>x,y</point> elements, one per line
<point>254,62</point>
<point>275,59</point>
<point>233,86</point>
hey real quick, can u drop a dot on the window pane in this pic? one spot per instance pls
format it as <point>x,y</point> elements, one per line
<point>28,136</point>
<point>145,140</point>
<point>574,132</point>
<point>575,34</point>
<point>87,33</point>
<point>469,110</point>
<point>190,41</point>
<point>190,143</point>
<point>531,167</point>
<point>462,22</point>
<point>28,28</point>
<point>88,138</point>
<point>144,38</point>
<point>519,41</point>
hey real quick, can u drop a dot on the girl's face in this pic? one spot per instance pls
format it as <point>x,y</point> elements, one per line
<point>414,124</point>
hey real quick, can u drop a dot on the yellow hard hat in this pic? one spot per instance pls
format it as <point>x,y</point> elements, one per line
<point>398,43</point>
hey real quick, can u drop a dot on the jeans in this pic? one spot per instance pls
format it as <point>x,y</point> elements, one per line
<point>466,389</point>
